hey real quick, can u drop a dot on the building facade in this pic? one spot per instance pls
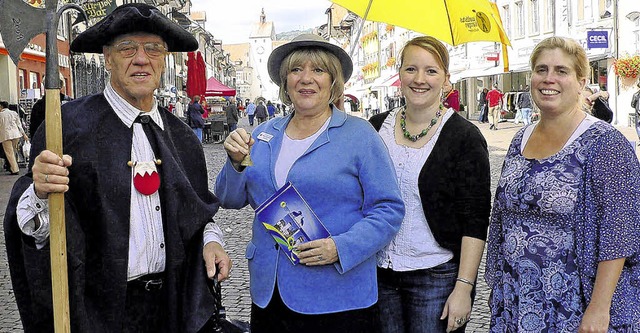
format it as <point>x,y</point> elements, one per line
<point>606,29</point>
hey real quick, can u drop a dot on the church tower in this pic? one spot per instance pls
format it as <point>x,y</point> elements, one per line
<point>261,43</point>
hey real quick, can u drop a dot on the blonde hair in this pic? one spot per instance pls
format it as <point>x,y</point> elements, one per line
<point>432,46</point>
<point>568,46</point>
<point>319,57</point>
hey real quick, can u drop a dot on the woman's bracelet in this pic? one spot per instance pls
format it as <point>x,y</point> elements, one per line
<point>466,281</point>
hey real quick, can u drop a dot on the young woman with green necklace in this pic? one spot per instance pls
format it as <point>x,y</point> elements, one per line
<point>428,272</point>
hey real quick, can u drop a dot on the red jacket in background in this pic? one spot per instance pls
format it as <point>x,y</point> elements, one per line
<point>452,100</point>
<point>493,97</point>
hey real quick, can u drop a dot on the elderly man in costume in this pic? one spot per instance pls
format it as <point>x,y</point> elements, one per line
<point>139,216</point>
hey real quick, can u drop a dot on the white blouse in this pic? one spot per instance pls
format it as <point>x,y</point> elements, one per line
<point>414,247</point>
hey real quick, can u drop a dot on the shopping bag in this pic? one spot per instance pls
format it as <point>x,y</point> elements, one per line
<point>26,150</point>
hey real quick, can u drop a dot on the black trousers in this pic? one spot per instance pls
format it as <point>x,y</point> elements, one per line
<point>146,308</point>
<point>278,318</point>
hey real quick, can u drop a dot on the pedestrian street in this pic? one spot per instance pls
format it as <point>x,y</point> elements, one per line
<point>236,225</point>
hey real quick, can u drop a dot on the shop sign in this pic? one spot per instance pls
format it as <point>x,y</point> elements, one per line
<point>492,56</point>
<point>597,39</point>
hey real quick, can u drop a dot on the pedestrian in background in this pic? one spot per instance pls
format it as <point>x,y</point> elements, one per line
<point>525,106</point>
<point>450,97</point>
<point>261,112</point>
<point>251,112</point>
<point>138,259</point>
<point>564,240</point>
<point>494,101</point>
<point>596,104</point>
<point>427,274</point>
<point>635,104</point>
<point>195,116</point>
<point>482,106</point>
<point>333,288</point>
<point>271,110</point>
<point>205,108</point>
<point>366,106</point>
<point>10,133</point>
<point>231,112</point>
<point>179,108</point>
<point>241,108</point>
<point>374,104</point>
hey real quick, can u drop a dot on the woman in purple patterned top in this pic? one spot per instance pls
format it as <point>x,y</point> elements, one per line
<point>564,240</point>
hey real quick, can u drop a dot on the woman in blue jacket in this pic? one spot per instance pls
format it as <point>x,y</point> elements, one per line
<point>342,168</point>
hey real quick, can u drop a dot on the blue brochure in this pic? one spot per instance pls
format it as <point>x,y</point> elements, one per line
<point>290,221</point>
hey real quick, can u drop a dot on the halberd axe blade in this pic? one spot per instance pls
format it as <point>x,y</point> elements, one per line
<point>19,23</point>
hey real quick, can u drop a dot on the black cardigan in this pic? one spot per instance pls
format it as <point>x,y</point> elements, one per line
<point>454,183</point>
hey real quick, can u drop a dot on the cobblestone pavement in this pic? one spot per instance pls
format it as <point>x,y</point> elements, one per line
<point>236,225</point>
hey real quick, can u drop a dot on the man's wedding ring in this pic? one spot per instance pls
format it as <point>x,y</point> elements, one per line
<point>46,178</point>
<point>460,321</point>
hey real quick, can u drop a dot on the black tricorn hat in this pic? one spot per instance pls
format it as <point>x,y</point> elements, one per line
<point>132,18</point>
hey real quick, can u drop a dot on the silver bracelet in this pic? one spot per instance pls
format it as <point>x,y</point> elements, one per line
<point>466,281</point>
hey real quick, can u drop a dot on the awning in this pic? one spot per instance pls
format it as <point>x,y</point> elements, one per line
<point>476,72</point>
<point>389,81</point>
<point>393,81</point>
<point>378,82</point>
<point>27,54</point>
<point>216,88</point>
<point>352,97</point>
<point>518,68</point>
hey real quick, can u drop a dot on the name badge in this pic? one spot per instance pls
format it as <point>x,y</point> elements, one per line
<point>265,136</point>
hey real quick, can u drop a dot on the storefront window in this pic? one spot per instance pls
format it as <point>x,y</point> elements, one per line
<point>518,81</point>
<point>23,82</point>
<point>599,73</point>
<point>33,80</point>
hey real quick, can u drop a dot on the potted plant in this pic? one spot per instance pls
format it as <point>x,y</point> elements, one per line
<point>627,69</point>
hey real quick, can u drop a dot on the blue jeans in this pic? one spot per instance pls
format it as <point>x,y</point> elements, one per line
<point>526,116</point>
<point>198,132</point>
<point>251,116</point>
<point>413,301</point>
<point>232,127</point>
<point>482,114</point>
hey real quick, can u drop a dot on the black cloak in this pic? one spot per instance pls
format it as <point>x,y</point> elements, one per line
<point>97,224</point>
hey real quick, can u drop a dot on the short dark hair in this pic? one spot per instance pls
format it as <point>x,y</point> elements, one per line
<point>4,104</point>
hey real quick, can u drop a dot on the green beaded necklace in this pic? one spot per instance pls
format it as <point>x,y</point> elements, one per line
<point>414,138</point>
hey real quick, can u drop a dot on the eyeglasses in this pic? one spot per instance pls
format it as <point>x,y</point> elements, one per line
<point>129,48</point>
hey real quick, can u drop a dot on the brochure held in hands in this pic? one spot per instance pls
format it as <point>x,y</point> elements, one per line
<point>290,221</point>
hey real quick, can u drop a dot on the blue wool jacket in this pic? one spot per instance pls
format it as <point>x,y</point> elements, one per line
<point>348,179</point>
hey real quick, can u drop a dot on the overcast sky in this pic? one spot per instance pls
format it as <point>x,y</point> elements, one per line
<point>232,20</point>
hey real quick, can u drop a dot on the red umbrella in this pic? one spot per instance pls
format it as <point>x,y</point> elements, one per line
<point>192,72</point>
<point>202,75</point>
